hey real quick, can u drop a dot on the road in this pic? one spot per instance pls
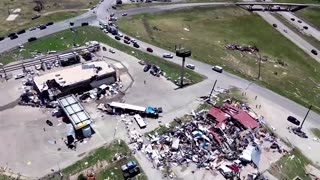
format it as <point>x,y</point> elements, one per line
<point>310,31</point>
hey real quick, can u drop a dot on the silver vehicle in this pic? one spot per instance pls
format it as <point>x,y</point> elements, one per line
<point>38,67</point>
<point>167,55</point>
<point>217,69</point>
<point>111,50</point>
<point>19,76</point>
<point>32,28</point>
<point>190,66</point>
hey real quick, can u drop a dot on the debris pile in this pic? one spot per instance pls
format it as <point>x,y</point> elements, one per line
<point>251,49</point>
<point>102,91</point>
<point>227,147</point>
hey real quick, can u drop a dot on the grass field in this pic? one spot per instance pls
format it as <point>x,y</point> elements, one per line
<point>291,166</point>
<point>24,21</point>
<point>63,41</point>
<point>105,153</point>
<point>311,15</point>
<point>287,71</point>
<point>138,5</point>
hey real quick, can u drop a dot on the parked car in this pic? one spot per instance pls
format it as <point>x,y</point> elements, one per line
<point>293,120</point>
<point>21,31</point>
<point>128,165</point>
<point>104,48</point>
<point>32,28</point>
<point>133,41</point>
<point>126,41</point>
<point>120,35</point>
<point>32,39</point>
<point>48,65</point>
<point>225,171</point>
<point>111,50</point>
<point>147,68</point>
<point>127,38</point>
<point>11,34</point>
<point>1,38</point>
<point>142,62</point>
<point>131,173</point>
<point>285,31</point>
<point>114,7</point>
<point>117,38</point>
<point>14,37</point>
<point>71,23</point>
<point>305,27</point>
<point>299,21</point>
<point>19,76</point>
<point>217,69</point>
<point>274,25</point>
<point>149,50</point>
<point>314,52</point>
<point>190,66</point>
<point>292,19</point>
<point>50,23</point>
<point>124,14</point>
<point>37,67</point>
<point>167,55</point>
<point>42,27</point>
<point>112,14</point>
<point>136,45</point>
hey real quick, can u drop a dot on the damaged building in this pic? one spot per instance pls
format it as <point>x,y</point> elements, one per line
<point>76,79</point>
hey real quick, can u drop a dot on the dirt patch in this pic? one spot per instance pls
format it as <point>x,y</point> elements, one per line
<point>95,168</point>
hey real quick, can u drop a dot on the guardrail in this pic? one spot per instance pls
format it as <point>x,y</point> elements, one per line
<point>42,59</point>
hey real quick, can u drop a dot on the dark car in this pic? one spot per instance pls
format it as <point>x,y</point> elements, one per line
<point>127,38</point>
<point>305,27</point>
<point>71,23</point>
<point>48,65</point>
<point>117,38</point>
<point>299,21</point>
<point>14,37</point>
<point>147,67</point>
<point>42,27</point>
<point>84,24</point>
<point>314,52</point>
<point>114,7</point>
<point>136,45</point>
<point>293,120</point>
<point>21,31</point>
<point>274,25</point>
<point>292,19</point>
<point>11,34</point>
<point>1,38</point>
<point>131,173</point>
<point>126,41</point>
<point>149,50</point>
<point>32,39</point>
<point>50,23</point>
<point>104,48</point>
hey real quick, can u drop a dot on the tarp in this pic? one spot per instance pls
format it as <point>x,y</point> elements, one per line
<point>218,114</point>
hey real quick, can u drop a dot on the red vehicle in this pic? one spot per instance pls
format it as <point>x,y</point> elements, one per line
<point>149,50</point>
<point>127,38</point>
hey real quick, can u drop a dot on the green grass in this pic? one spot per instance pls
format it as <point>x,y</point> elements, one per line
<point>316,132</point>
<point>23,21</point>
<point>63,40</point>
<point>308,38</point>
<point>288,70</point>
<point>311,15</point>
<point>286,168</point>
<point>114,171</point>
<point>103,153</point>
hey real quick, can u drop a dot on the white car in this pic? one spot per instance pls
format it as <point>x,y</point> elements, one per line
<point>111,50</point>
<point>38,67</point>
<point>124,14</point>
<point>167,55</point>
<point>190,66</point>
<point>133,41</point>
<point>19,76</point>
<point>120,35</point>
<point>217,69</point>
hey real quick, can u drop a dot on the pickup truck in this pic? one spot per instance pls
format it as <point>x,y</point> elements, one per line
<point>128,166</point>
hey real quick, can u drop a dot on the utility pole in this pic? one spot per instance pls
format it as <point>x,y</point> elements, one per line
<point>212,89</point>
<point>181,52</point>
<point>259,73</point>
<point>305,117</point>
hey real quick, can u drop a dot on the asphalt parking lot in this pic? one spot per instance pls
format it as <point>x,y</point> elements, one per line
<point>34,151</point>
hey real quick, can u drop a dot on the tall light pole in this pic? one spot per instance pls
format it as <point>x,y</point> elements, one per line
<point>305,117</point>
<point>181,52</point>
<point>212,89</point>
